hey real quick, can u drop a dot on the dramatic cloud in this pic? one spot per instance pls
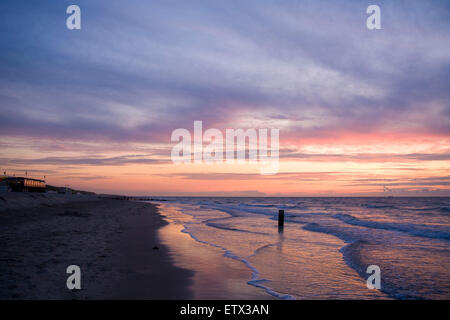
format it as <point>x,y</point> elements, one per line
<point>137,71</point>
<point>100,161</point>
<point>111,93</point>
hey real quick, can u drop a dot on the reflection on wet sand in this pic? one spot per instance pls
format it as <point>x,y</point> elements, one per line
<point>215,277</point>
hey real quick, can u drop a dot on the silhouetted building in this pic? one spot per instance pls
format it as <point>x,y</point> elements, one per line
<point>21,184</point>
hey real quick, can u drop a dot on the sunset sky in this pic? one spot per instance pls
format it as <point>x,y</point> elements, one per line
<point>357,109</point>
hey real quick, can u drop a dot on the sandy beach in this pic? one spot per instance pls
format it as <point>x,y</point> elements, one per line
<point>112,241</point>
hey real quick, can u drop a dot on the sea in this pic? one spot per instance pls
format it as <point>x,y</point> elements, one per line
<point>236,249</point>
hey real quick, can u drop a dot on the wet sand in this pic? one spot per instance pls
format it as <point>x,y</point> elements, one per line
<point>112,241</point>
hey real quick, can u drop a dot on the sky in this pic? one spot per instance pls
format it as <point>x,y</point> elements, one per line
<point>360,112</point>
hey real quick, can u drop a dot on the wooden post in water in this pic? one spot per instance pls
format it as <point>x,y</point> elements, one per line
<point>280,218</point>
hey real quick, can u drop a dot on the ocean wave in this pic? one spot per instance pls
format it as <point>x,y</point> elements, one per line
<point>237,209</point>
<point>353,257</point>
<point>255,280</point>
<point>418,230</point>
<point>428,209</point>
<point>225,227</point>
<point>339,218</point>
<point>261,205</point>
<point>315,227</point>
<point>379,206</point>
